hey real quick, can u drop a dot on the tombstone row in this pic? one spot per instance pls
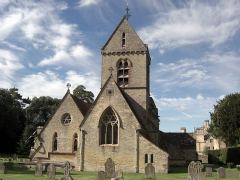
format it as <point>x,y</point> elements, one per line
<point>51,171</point>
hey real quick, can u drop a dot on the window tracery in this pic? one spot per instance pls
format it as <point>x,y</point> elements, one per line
<point>123,72</point>
<point>66,118</point>
<point>109,127</point>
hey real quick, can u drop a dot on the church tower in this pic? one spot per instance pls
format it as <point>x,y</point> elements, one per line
<point>127,58</point>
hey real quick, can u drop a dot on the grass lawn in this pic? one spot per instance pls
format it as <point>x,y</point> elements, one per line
<point>175,175</point>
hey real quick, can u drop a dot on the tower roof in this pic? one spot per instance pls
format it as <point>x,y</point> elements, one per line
<point>132,40</point>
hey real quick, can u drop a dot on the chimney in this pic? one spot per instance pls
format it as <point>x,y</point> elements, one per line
<point>206,124</point>
<point>183,130</point>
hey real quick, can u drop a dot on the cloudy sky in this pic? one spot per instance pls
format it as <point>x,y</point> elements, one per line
<point>195,49</point>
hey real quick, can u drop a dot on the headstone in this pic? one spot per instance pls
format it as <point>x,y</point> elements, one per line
<point>101,175</point>
<point>39,169</point>
<point>149,171</point>
<point>51,171</point>
<point>221,172</point>
<point>110,168</point>
<point>67,170</point>
<point>2,168</point>
<point>119,175</point>
<point>208,171</point>
<point>195,171</point>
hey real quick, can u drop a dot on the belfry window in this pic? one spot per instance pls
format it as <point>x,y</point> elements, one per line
<point>55,143</point>
<point>123,72</point>
<point>108,127</point>
<point>66,118</point>
<point>123,40</point>
<point>75,142</point>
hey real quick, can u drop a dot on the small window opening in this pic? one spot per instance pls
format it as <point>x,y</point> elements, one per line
<point>75,142</point>
<point>123,40</point>
<point>55,142</point>
<point>151,158</point>
<point>146,158</point>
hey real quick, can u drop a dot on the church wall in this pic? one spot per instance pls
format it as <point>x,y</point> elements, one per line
<point>123,154</point>
<point>160,157</point>
<point>65,133</point>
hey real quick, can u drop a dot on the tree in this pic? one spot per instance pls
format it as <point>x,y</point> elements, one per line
<point>81,92</point>
<point>12,119</point>
<point>225,119</point>
<point>37,113</point>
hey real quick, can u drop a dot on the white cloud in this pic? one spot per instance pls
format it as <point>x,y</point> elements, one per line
<point>196,22</point>
<point>85,3</point>
<point>76,56</point>
<point>215,71</point>
<point>9,63</point>
<point>49,83</point>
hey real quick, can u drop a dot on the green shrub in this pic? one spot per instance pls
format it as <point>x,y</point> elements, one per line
<point>224,156</point>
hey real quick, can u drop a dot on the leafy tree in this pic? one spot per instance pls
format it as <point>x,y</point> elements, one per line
<point>37,113</point>
<point>81,92</point>
<point>225,119</point>
<point>12,119</point>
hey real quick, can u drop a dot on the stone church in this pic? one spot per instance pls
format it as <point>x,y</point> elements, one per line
<point>121,126</point>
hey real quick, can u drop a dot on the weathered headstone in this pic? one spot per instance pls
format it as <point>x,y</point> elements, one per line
<point>101,175</point>
<point>39,169</point>
<point>110,168</point>
<point>149,171</point>
<point>221,172</point>
<point>67,170</point>
<point>195,171</point>
<point>51,171</point>
<point>208,171</point>
<point>2,168</point>
<point>119,175</point>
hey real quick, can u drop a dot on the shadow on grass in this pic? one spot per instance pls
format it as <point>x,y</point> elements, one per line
<point>177,170</point>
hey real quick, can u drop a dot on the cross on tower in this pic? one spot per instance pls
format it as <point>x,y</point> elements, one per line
<point>127,11</point>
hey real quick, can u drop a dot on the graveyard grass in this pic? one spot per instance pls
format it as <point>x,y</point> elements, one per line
<point>178,174</point>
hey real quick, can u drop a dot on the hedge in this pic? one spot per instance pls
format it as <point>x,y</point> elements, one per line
<point>224,156</point>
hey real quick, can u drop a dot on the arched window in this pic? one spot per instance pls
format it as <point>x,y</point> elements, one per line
<point>123,40</point>
<point>123,72</point>
<point>108,127</point>
<point>75,142</point>
<point>55,143</point>
<point>66,118</point>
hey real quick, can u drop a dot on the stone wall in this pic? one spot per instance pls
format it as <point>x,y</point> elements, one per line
<point>160,157</point>
<point>65,133</point>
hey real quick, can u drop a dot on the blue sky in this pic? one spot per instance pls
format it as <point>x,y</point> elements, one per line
<point>194,45</point>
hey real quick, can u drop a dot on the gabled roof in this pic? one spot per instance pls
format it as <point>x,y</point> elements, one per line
<point>136,43</point>
<point>124,96</point>
<point>82,106</point>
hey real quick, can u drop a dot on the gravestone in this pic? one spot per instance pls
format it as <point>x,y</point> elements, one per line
<point>51,171</point>
<point>195,171</point>
<point>39,169</point>
<point>110,168</point>
<point>221,172</point>
<point>67,170</point>
<point>208,171</point>
<point>2,168</point>
<point>101,175</point>
<point>119,175</point>
<point>149,171</point>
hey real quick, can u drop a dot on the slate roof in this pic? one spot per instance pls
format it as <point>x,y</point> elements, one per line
<point>82,106</point>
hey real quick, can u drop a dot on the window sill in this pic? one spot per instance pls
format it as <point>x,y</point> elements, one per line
<point>109,145</point>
